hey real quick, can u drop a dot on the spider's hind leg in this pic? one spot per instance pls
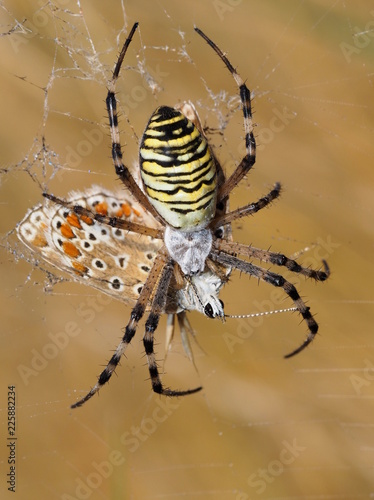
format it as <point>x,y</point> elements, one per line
<point>250,143</point>
<point>111,104</point>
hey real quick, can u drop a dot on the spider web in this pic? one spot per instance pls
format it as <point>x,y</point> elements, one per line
<point>269,428</point>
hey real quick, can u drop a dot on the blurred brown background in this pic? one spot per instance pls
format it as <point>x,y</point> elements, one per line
<point>263,427</point>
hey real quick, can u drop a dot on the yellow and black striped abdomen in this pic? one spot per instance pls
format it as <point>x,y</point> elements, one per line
<point>178,170</point>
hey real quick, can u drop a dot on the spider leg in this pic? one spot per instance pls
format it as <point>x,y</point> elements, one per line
<point>278,281</point>
<point>105,219</point>
<point>151,324</point>
<point>245,96</point>
<point>249,209</point>
<point>136,314</point>
<point>278,259</point>
<point>111,103</point>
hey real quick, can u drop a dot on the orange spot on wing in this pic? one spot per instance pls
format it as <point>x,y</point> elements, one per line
<point>136,212</point>
<point>70,249</point>
<point>79,268</point>
<point>67,231</point>
<point>102,208</point>
<point>87,220</point>
<point>73,220</point>
<point>126,209</point>
<point>39,240</point>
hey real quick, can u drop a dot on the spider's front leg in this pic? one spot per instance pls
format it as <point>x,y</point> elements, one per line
<point>159,280</point>
<point>136,315</point>
<point>278,281</point>
<point>158,305</point>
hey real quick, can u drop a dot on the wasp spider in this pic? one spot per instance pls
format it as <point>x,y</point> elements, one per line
<point>181,213</point>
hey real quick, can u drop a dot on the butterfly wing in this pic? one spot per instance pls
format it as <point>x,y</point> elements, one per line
<point>111,260</point>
